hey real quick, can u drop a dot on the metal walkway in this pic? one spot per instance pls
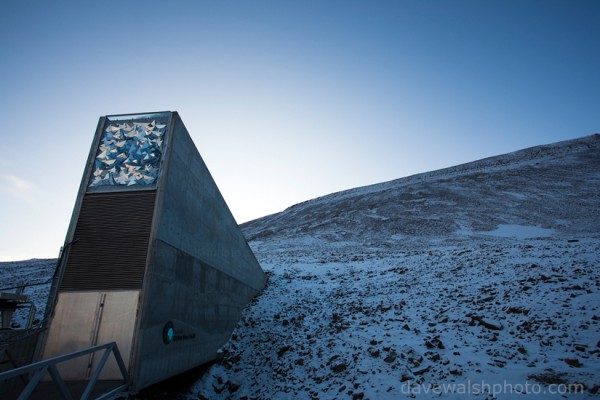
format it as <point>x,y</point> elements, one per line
<point>36,371</point>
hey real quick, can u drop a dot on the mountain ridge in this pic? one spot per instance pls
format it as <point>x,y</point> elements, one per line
<point>546,160</point>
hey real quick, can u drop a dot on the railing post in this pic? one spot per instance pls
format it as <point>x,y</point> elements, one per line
<point>35,379</point>
<point>60,383</point>
<point>95,375</point>
<point>120,363</point>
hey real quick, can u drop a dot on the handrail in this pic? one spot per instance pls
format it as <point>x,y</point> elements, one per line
<point>40,368</point>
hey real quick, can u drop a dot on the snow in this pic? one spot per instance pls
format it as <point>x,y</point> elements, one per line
<point>461,313</point>
<point>512,230</point>
<point>34,276</point>
<point>521,231</point>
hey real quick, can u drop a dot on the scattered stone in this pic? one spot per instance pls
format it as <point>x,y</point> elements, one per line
<point>573,362</point>
<point>493,325</point>
<point>434,342</point>
<point>339,367</point>
<point>486,299</point>
<point>550,377</point>
<point>517,310</point>
<point>233,387</point>
<point>499,363</point>
<point>374,352</point>
<point>282,350</point>
<point>218,388</point>
<point>580,347</point>
<point>422,371</point>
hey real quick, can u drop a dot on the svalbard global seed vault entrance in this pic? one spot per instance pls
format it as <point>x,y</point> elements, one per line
<point>153,258</point>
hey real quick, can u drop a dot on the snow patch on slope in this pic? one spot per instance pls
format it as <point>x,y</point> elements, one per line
<point>512,230</point>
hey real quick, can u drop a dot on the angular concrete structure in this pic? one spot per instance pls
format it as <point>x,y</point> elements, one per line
<point>153,258</point>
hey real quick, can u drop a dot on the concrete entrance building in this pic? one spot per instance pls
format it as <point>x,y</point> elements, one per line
<point>153,258</point>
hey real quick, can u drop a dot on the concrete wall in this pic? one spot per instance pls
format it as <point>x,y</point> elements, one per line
<point>200,274</point>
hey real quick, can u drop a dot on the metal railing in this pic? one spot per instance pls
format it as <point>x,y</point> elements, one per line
<point>39,369</point>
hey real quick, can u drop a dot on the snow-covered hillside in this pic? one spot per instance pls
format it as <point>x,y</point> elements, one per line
<point>476,281</point>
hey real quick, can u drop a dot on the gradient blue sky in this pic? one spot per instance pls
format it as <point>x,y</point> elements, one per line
<point>285,100</point>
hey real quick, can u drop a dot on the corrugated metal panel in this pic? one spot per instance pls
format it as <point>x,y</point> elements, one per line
<point>111,242</point>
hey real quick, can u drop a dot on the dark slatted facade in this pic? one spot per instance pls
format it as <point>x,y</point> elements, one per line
<point>111,242</point>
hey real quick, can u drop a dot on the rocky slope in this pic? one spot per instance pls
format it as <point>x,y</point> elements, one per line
<point>481,279</point>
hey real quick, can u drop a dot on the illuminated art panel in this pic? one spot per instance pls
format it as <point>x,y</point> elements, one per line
<point>129,154</point>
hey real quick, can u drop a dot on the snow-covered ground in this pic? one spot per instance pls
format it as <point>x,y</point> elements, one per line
<point>33,277</point>
<point>477,281</point>
<point>477,316</point>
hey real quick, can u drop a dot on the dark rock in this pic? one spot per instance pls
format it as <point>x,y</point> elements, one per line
<point>517,310</point>
<point>579,347</point>
<point>422,371</point>
<point>573,362</point>
<point>374,352</point>
<point>495,326</point>
<point>550,377</point>
<point>339,367</point>
<point>233,387</point>
<point>282,350</point>
<point>218,388</point>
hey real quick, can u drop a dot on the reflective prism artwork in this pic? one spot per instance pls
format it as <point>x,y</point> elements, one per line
<point>129,154</point>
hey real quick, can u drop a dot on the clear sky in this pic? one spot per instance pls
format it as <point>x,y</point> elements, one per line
<point>285,100</point>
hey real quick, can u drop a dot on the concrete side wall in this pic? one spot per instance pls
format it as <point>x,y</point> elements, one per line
<point>195,218</point>
<point>200,274</point>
